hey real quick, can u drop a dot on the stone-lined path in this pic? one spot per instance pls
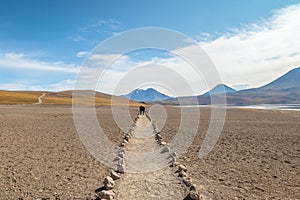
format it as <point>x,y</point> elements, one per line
<point>160,184</point>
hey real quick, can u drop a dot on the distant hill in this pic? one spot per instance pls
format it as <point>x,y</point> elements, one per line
<point>219,89</point>
<point>19,97</point>
<point>283,90</point>
<point>147,95</point>
<point>60,98</point>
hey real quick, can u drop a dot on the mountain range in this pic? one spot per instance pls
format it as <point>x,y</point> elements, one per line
<point>147,95</point>
<point>283,90</point>
<point>219,89</point>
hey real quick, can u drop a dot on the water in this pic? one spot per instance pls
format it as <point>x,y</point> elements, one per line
<point>295,107</point>
<point>274,106</point>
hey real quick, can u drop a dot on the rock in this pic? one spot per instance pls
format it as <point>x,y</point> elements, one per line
<point>122,144</point>
<point>125,141</point>
<point>114,175</point>
<point>181,167</point>
<point>173,154</point>
<point>121,162</point>
<point>163,143</point>
<point>118,158</point>
<point>121,150</point>
<point>165,149</point>
<point>127,137</point>
<point>187,181</point>
<point>109,183</point>
<point>106,194</point>
<point>173,160</point>
<point>158,136</point>
<point>182,174</point>
<point>193,187</point>
<point>121,154</point>
<point>193,195</point>
<point>174,164</point>
<point>120,168</point>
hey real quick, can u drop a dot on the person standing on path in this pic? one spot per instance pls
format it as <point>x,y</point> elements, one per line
<point>142,110</point>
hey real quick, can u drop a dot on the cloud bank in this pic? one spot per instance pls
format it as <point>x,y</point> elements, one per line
<point>15,60</point>
<point>255,55</point>
<point>245,57</point>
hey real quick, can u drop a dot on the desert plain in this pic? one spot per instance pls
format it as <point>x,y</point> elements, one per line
<point>256,157</point>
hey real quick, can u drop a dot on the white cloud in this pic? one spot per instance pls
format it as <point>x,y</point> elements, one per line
<point>91,32</point>
<point>104,57</point>
<point>77,38</point>
<point>245,57</point>
<point>259,53</point>
<point>20,87</point>
<point>172,72</point>
<point>110,24</point>
<point>14,60</point>
<point>60,86</point>
<point>63,85</point>
<point>81,54</point>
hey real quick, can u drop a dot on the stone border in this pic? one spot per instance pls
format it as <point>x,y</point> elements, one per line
<point>179,169</point>
<point>109,181</point>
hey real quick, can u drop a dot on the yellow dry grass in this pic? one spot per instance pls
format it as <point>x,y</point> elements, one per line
<point>86,101</point>
<point>12,98</point>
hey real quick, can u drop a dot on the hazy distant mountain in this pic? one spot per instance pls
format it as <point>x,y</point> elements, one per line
<point>283,90</point>
<point>288,81</point>
<point>220,89</point>
<point>147,95</point>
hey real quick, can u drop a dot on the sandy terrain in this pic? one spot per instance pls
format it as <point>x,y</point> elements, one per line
<point>42,156</point>
<point>257,156</point>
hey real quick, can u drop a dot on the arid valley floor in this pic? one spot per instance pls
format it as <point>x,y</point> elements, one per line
<point>256,157</point>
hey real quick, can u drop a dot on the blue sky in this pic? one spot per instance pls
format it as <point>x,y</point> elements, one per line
<point>43,42</point>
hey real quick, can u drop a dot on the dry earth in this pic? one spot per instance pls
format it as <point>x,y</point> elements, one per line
<point>42,156</point>
<point>256,157</point>
<point>159,184</point>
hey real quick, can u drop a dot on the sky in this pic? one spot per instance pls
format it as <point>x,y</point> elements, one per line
<point>44,43</point>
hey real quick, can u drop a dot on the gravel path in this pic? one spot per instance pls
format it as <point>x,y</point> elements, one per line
<point>40,99</point>
<point>158,184</point>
